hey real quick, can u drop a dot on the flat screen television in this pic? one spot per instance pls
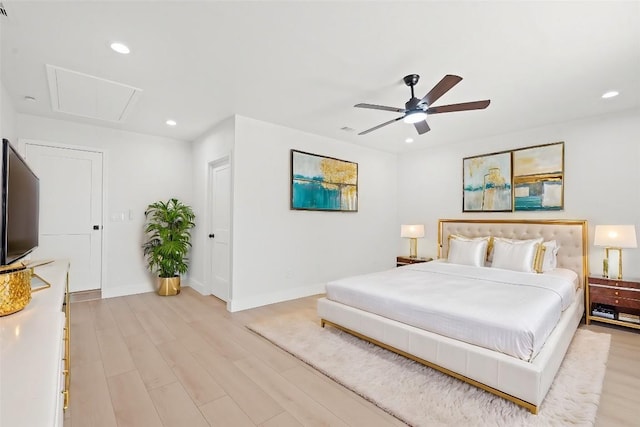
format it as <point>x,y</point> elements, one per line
<point>20,207</point>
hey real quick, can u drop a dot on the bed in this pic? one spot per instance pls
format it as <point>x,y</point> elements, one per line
<point>398,315</point>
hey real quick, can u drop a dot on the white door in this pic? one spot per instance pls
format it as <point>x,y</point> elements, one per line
<point>220,228</point>
<point>70,210</point>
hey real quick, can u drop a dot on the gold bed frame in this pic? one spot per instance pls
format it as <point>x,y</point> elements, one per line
<point>531,407</point>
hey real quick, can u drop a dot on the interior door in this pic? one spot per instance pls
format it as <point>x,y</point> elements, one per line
<point>220,226</point>
<point>70,210</point>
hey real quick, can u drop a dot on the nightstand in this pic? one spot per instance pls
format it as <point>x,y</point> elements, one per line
<point>614,301</point>
<point>405,260</point>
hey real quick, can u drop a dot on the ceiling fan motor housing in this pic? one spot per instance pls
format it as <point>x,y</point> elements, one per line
<point>413,104</point>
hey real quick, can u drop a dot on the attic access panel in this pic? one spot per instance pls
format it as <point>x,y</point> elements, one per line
<point>88,96</point>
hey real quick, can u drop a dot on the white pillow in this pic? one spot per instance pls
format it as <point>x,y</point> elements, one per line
<point>517,255</point>
<point>489,239</point>
<point>468,251</point>
<point>550,256</point>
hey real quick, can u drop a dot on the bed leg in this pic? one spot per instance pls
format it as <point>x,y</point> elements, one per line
<point>322,323</point>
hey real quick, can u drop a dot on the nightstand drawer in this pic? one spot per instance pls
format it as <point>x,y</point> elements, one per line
<point>614,301</point>
<point>614,282</point>
<point>614,292</point>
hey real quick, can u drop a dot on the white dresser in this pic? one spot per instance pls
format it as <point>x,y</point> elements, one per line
<point>34,354</point>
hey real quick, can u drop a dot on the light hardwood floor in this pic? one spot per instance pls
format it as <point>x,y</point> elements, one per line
<point>146,360</point>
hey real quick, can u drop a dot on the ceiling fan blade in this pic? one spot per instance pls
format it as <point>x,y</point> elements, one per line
<point>380,107</point>
<point>422,127</point>
<point>379,126</point>
<point>475,105</point>
<point>441,88</point>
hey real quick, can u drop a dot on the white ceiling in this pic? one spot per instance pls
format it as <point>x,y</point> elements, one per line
<point>305,64</point>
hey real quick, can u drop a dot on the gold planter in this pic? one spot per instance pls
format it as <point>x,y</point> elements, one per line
<point>169,286</point>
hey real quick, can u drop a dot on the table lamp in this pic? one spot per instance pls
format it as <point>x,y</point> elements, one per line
<point>412,232</point>
<point>614,238</point>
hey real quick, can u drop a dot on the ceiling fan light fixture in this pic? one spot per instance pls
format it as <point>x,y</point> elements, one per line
<point>415,116</point>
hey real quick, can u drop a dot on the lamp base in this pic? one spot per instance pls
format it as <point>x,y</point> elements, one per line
<point>611,268</point>
<point>413,248</point>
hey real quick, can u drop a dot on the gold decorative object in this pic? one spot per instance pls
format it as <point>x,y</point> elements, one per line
<point>169,286</point>
<point>15,290</point>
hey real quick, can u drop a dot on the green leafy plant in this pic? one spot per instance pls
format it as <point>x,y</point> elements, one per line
<point>168,230</point>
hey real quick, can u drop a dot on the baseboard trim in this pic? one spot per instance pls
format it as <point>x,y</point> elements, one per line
<point>82,296</point>
<point>131,289</point>
<point>198,287</point>
<point>239,304</point>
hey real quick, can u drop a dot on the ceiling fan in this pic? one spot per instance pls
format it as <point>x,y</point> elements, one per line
<point>416,110</point>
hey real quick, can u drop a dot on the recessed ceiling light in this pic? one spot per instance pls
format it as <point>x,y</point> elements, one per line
<point>120,48</point>
<point>610,94</point>
<point>408,140</point>
<point>171,122</point>
<point>30,98</point>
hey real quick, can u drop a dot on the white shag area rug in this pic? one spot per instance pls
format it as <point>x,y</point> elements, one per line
<point>421,396</point>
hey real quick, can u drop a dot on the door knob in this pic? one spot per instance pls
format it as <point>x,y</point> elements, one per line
<point>211,236</point>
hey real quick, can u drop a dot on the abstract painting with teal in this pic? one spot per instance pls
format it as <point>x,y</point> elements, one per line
<point>538,178</point>
<point>309,193</point>
<point>538,196</point>
<point>487,183</point>
<point>322,183</point>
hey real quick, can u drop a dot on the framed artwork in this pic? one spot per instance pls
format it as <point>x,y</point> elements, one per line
<point>487,183</point>
<point>320,183</point>
<point>538,178</point>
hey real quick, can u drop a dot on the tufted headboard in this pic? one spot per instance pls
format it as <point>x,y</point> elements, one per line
<point>571,236</point>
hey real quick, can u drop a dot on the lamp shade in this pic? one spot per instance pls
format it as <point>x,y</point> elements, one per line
<point>616,236</point>
<point>412,231</point>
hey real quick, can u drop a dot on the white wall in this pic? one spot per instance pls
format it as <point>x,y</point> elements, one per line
<point>602,179</point>
<point>280,254</point>
<point>216,143</point>
<point>139,169</point>
<point>7,116</point>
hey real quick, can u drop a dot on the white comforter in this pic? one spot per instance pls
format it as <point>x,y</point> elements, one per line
<point>507,311</point>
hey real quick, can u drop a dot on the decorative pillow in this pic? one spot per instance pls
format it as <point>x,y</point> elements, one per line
<point>537,261</point>
<point>517,255</point>
<point>490,250</point>
<point>468,251</point>
<point>489,240</point>
<point>547,257</point>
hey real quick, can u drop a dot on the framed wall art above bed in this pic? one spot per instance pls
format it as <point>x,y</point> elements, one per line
<point>538,178</point>
<point>526,179</point>
<point>487,183</point>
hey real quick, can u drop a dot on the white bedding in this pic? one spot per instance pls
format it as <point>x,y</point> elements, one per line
<point>502,310</point>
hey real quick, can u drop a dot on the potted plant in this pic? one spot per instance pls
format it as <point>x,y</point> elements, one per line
<point>168,231</point>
